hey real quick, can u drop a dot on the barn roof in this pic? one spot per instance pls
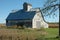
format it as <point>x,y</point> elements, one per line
<point>21,15</point>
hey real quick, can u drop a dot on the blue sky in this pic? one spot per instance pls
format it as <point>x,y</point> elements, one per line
<point>6,6</point>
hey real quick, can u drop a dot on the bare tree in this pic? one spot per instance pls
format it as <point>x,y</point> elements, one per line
<point>50,7</point>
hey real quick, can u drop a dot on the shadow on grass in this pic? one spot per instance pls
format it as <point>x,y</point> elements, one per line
<point>52,38</point>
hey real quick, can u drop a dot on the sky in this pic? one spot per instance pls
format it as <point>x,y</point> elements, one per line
<point>6,6</point>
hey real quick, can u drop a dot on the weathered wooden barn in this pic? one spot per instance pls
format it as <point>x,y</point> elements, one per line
<point>28,16</point>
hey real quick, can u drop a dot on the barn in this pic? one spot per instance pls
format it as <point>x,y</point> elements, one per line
<point>28,16</point>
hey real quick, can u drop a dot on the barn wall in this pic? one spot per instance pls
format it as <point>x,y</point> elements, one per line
<point>36,18</point>
<point>19,22</point>
<point>10,23</point>
<point>38,21</point>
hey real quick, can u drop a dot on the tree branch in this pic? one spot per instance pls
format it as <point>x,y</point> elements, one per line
<point>50,6</point>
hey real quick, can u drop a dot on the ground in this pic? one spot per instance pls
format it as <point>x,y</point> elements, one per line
<point>29,34</point>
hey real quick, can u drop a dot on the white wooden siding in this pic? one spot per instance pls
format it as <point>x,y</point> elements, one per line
<point>38,19</point>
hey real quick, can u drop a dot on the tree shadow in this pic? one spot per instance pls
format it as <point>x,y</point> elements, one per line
<point>52,38</point>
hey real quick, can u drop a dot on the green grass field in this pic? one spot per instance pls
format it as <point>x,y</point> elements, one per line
<point>29,34</point>
<point>52,33</point>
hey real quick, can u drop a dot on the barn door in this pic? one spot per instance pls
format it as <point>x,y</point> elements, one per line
<point>38,24</point>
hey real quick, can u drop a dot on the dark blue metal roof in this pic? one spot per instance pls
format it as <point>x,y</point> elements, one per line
<point>21,15</point>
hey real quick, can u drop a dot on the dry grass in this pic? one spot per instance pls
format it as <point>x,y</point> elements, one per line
<point>53,25</point>
<point>27,34</point>
<point>22,34</point>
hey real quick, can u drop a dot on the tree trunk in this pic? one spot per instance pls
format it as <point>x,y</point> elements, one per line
<point>59,21</point>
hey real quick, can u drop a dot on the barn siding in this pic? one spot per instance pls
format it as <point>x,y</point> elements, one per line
<point>38,17</point>
<point>27,23</point>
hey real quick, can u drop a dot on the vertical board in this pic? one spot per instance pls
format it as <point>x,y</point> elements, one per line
<point>38,24</point>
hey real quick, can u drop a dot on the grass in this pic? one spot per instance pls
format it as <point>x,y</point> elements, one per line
<point>29,34</point>
<point>52,34</point>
